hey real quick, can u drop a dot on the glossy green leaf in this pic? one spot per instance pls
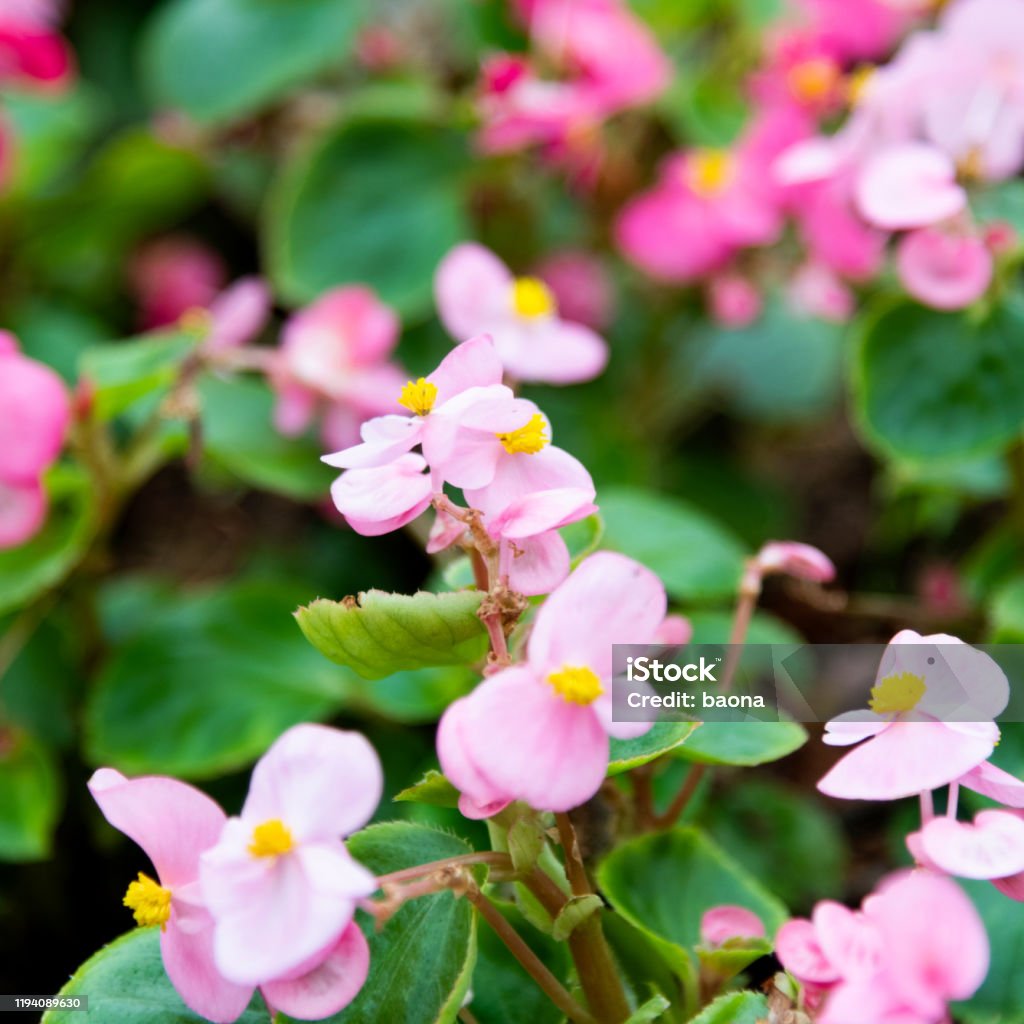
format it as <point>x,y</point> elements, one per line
<point>732,958</point>
<point>1007,613</point>
<point>239,436</point>
<point>208,684</point>
<point>742,743</point>
<point>734,1008</point>
<point>376,202</point>
<point>30,797</point>
<point>421,961</point>
<point>661,738</point>
<point>932,385</point>
<point>126,984</point>
<point>221,59</point>
<point>652,1010</point>
<point>695,558</point>
<point>380,633</point>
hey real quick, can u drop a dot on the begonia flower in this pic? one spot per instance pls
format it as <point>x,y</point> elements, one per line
<point>944,269</point>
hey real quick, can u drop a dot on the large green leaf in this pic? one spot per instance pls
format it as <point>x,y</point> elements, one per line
<point>664,882</point>
<point>932,385</point>
<point>695,558</point>
<point>208,683</point>
<point>221,59</point>
<point>375,202</point>
<point>659,739</point>
<point>30,797</point>
<point>378,633</point>
<point>239,436</point>
<point>742,743</point>
<point>422,960</point>
<point>126,984</point>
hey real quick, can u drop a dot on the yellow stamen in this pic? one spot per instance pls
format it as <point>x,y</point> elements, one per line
<point>814,80</point>
<point>971,166</point>
<point>270,839</point>
<point>710,171</point>
<point>858,83</point>
<point>528,439</point>
<point>418,396</point>
<point>576,684</point>
<point>532,298</point>
<point>897,693</point>
<point>149,901</point>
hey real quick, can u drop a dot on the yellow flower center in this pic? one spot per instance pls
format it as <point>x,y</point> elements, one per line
<point>710,171</point>
<point>858,83</point>
<point>149,901</point>
<point>897,693</point>
<point>270,839</point>
<point>531,297</point>
<point>576,684</point>
<point>528,439</point>
<point>814,80</point>
<point>971,166</point>
<point>418,396</point>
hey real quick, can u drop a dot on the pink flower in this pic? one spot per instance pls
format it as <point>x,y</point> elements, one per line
<point>814,290</point>
<point>803,561</point>
<point>334,359</point>
<point>990,847</point>
<point>279,883</point>
<point>476,293</point>
<point>36,415</point>
<point>944,269</point>
<point>172,276</point>
<point>734,300</point>
<point>31,50</point>
<point>580,285</point>
<point>930,720</point>
<point>721,924</point>
<point>539,732</point>
<point>237,315</point>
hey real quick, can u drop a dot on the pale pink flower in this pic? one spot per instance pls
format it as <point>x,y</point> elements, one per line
<point>279,883</point>
<point>237,314</point>
<point>734,300</point>
<point>581,286</point>
<point>803,561</point>
<point>172,276</point>
<point>476,293</point>
<point>721,924</point>
<point>990,847</point>
<point>815,290</point>
<point>944,269</point>
<point>855,30</point>
<point>674,631</point>
<point>539,731</point>
<point>334,359</point>
<point>930,720</point>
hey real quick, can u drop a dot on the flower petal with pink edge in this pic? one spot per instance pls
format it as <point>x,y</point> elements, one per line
<point>445,532</point>
<point>364,329</point>
<point>22,512</point>
<point>993,782</point>
<point>1013,886</point>
<point>330,986</point>
<point>473,364</point>
<point>239,313</point>
<point>991,847</point>
<point>800,952</point>
<point>904,759</point>
<point>848,939</point>
<point>852,727</point>
<point>172,822</point>
<point>944,270</point>
<point>537,564</point>
<point>472,288</point>
<point>322,782</point>
<point>795,559</point>
<point>609,599</point>
<point>385,438</point>
<point>382,499</point>
<point>910,185</point>
<point>550,350</point>
<point>479,799</point>
<point>36,413</point>
<point>720,924</point>
<point>543,511</point>
<point>674,631</point>
<point>294,409</point>
<point>530,743</point>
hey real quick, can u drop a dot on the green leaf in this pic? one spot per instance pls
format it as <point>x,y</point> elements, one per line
<point>525,843</point>
<point>715,628</point>
<point>663,883</point>
<point>932,385</point>
<point>651,1010</point>
<point>432,789</point>
<point>415,696</point>
<point>1002,202</point>
<point>126,984</point>
<point>1006,613</point>
<point>695,558</point>
<point>239,436</point>
<point>734,957</point>
<point>742,743</point>
<point>29,570</point>
<point>421,962</point>
<point>221,59</point>
<point>734,1008</point>
<point>653,967</point>
<point>660,739</point>
<point>124,372</point>
<point>30,797</point>
<point>380,633</point>
<point>377,202</point>
<point>208,684</point>
<point>576,910</point>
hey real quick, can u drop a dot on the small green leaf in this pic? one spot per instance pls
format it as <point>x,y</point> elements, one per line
<point>380,633</point>
<point>734,1008</point>
<point>650,1011</point>
<point>1006,613</point>
<point>221,59</point>
<point>742,743</point>
<point>432,789</point>
<point>696,559</point>
<point>126,984</point>
<point>576,910</point>
<point>735,956</point>
<point>661,738</point>
<point>525,842</point>
<point>30,797</point>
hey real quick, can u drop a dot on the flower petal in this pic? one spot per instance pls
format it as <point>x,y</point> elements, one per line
<point>991,847</point>
<point>910,185</point>
<point>471,289</point>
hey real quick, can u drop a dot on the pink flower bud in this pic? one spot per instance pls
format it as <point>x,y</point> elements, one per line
<point>795,559</point>
<point>720,924</point>
<point>944,270</point>
<point>735,302</point>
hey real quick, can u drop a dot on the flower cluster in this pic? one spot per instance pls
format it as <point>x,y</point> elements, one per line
<point>264,900</point>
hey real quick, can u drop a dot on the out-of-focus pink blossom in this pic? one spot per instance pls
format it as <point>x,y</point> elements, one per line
<point>911,185</point>
<point>379,48</point>
<point>476,293</point>
<point>674,631</point>
<point>172,276</point>
<point>539,732</point>
<point>334,360</point>
<point>992,846</point>
<point>803,561</point>
<point>734,300</point>
<point>237,315</point>
<point>581,286</point>
<point>854,30</point>
<point>1000,237</point>
<point>721,924</point>
<point>32,53</point>
<point>814,290</point>
<point>944,269</point>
